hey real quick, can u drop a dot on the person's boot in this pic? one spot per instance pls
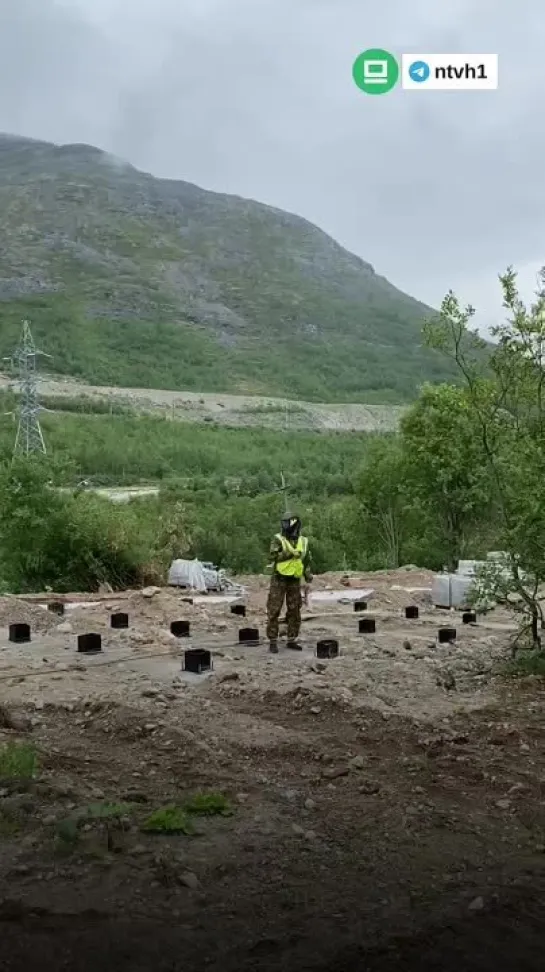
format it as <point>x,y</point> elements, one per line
<point>273,647</point>
<point>295,646</point>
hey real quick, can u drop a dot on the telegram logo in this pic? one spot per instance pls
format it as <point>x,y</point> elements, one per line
<point>419,71</point>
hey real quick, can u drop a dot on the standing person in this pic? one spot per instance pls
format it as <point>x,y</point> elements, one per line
<point>291,563</point>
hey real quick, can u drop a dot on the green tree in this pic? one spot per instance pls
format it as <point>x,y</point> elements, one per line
<point>60,540</point>
<point>506,402</point>
<point>444,466</point>
<point>383,498</point>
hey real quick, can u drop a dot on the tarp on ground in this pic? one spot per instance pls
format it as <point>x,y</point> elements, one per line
<point>199,577</point>
<point>187,573</point>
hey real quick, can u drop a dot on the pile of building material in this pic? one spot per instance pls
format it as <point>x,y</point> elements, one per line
<point>194,575</point>
<point>454,590</point>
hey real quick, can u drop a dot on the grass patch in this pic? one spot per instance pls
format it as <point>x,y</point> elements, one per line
<point>109,815</point>
<point>18,761</point>
<point>272,408</point>
<point>169,820</point>
<point>527,663</point>
<point>208,805</point>
<point>86,405</point>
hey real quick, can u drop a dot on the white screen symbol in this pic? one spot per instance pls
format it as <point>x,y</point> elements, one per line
<point>375,72</point>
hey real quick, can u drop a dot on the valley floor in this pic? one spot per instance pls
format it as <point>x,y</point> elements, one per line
<point>388,805</point>
<point>232,410</point>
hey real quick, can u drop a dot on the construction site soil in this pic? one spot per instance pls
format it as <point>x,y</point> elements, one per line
<point>387,806</point>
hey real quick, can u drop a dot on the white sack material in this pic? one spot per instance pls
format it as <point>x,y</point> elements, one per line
<point>199,577</point>
<point>187,573</point>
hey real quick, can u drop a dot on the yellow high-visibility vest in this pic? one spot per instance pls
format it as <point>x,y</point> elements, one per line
<point>294,567</point>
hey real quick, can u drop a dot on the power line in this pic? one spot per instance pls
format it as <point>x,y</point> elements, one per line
<point>283,488</point>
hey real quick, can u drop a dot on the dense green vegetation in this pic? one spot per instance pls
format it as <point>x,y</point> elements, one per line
<point>125,449</point>
<point>219,486</point>
<point>367,501</point>
<point>136,281</point>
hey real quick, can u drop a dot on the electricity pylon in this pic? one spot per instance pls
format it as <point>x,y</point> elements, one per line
<point>29,438</point>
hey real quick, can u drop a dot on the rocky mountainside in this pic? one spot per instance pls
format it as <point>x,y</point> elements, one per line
<point>136,281</point>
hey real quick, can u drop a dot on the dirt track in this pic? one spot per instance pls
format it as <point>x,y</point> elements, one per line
<point>389,806</point>
<point>231,410</point>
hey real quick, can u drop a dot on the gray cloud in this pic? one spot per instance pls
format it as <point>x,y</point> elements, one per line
<point>436,189</point>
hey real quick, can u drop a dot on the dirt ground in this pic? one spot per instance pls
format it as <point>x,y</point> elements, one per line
<point>387,807</point>
<point>235,411</point>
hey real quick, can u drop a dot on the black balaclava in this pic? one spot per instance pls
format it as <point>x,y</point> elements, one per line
<point>291,527</point>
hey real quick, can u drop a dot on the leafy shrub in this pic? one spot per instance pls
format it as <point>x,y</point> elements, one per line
<point>168,820</point>
<point>63,541</point>
<point>208,805</point>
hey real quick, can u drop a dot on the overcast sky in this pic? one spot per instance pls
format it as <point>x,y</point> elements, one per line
<point>255,97</point>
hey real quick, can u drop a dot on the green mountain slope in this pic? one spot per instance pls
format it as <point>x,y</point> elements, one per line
<point>133,280</point>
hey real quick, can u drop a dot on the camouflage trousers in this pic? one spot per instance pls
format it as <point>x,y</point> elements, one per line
<point>290,590</point>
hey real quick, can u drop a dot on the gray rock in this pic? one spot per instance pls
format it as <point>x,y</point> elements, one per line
<point>229,677</point>
<point>190,880</point>
<point>334,772</point>
<point>358,762</point>
<point>318,667</point>
<point>12,720</point>
<point>290,795</point>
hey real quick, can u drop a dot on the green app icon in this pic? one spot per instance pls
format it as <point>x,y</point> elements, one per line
<point>375,71</point>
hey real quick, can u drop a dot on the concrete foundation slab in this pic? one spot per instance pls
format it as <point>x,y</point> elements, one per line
<point>343,595</point>
<point>215,598</point>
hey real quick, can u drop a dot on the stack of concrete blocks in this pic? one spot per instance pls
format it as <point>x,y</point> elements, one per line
<point>452,590</point>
